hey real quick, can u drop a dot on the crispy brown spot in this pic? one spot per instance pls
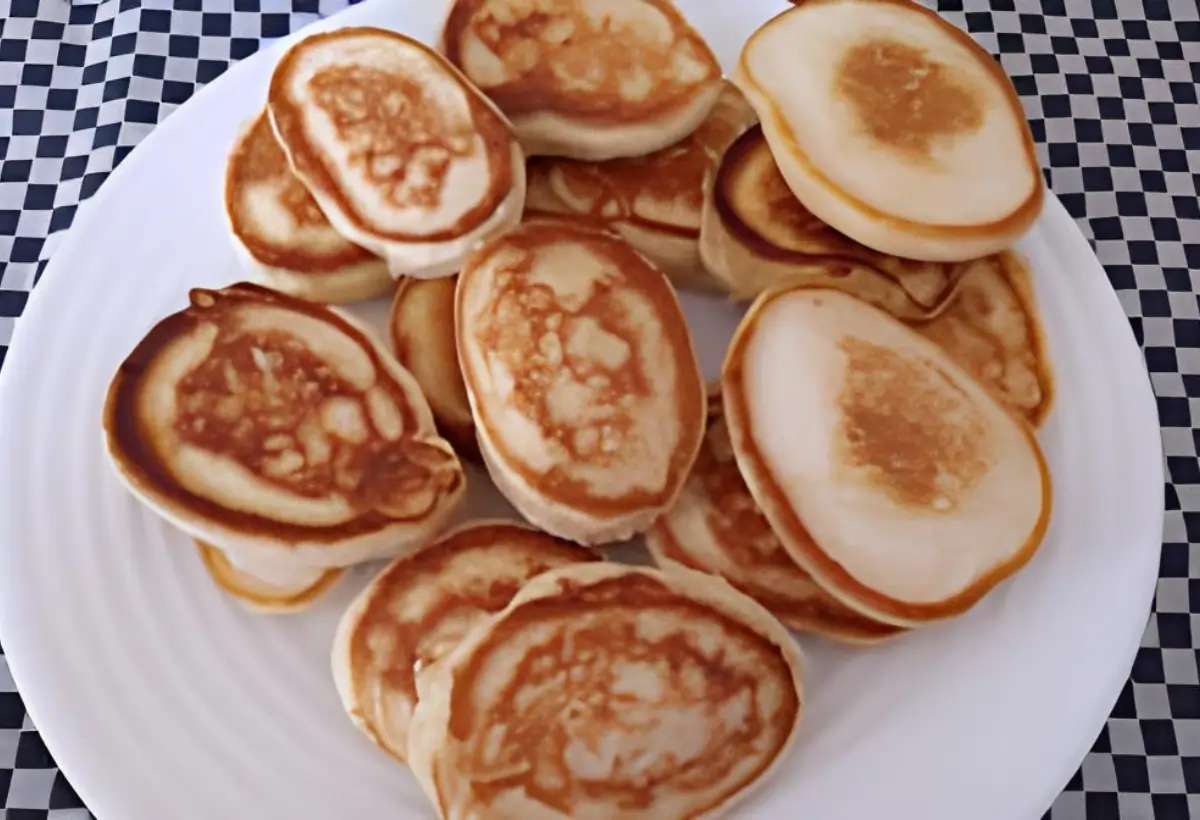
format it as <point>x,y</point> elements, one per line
<point>265,401</point>
<point>528,330</point>
<point>903,99</point>
<point>395,129</point>
<point>911,428</point>
<point>558,56</point>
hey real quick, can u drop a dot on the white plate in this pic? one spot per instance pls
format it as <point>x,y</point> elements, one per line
<point>162,698</point>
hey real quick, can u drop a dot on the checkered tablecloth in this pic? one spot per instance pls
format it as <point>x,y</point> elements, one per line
<point>1110,87</point>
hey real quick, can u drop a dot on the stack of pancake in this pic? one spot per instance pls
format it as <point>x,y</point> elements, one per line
<point>536,194</point>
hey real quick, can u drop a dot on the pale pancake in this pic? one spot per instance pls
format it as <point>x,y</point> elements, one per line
<point>655,201</point>
<point>589,79</point>
<point>905,134</point>
<point>889,473</point>
<point>280,232</point>
<point>261,596</point>
<point>583,381</point>
<point>281,433</point>
<point>420,607</point>
<point>609,692</point>
<point>756,235</point>
<point>421,325</point>
<point>403,155</point>
<point>989,324</point>
<point>716,527</point>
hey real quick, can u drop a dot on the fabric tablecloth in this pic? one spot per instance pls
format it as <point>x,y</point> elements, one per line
<point>1110,87</point>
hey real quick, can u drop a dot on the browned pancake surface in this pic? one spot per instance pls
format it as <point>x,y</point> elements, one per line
<point>422,605</point>
<point>578,59</point>
<point>421,323</point>
<point>662,191</point>
<point>263,400</point>
<point>395,131</point>
<point>257,162</point>
<point>596,338</point>
<point>584,653</point>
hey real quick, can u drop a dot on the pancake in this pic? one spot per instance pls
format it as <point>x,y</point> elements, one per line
<point>280,433</point>
<point>905,134</point>
<point>280,233</point>
<point>655,201</point>
<point>716,527</point>
<point>583,381</point>
<point>888,472</point>
<point>588,79</point>
<point>609,692</point>
<point>267,598</point>
<point>989,324</point>
<point>421,325</point>
<point>402,154</point>
<point>756,235</point>
<point>540,197</point>
<point>421,606</point>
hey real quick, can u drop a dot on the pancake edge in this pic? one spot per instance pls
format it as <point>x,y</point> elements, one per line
<point>784,520</point>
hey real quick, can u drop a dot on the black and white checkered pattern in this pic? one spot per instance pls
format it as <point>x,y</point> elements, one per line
<point>1110,87</point>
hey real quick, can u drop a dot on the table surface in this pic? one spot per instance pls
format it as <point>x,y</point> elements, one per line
<point>1110,87</point>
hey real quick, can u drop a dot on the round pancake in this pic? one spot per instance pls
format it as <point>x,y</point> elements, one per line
<point>421,606</point>
<point>583,381</point>
<point>609,692</point>
<point>280,232</point>
<point>716,527</point>
<point>756,235</point>
<point>905,134</point>
<point>655,201</point>
<point>908,491</point>
<point>589,79</point>
<point>267,597</point>
<point>421,325</point>
<point>403,155</point>
<point>279,432</point>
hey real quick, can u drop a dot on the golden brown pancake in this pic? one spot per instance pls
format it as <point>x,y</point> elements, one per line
<point>716,527</point>
<point>281,233</point>
<point>403,155</point>
<point>904,134</point>
<point>655,201</point>
<point>583,381</point>
<point>609,691</point>
<point>259,596</point>
<point>589,79</point>
<point>421,606</point>
<point>279,432</point>
<point>421,324</point>
<point>888,472</point>
<point>756,234</point>
<point>989,324</point>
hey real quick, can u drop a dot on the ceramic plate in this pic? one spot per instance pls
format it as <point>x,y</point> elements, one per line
<point>161,697</point>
